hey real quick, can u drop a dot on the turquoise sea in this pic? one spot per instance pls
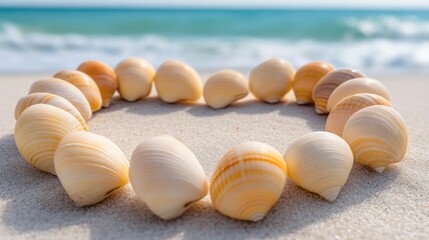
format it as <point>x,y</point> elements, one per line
<point>40,40</point>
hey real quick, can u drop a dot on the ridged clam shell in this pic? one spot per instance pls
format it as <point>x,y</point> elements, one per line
<point>50,99</point>
<point>324,88</point>
<point>377,135</point>
<point>38,131</point>
<point>135,77</point>
<point>176,81</point>
<point>354,86</point>
<point>306,79</point>
<point>66,90</point>
<point>167,176</point>
<point>224,88</point>
<point>319,162</point>
<point>103,76</point>
<point>248,181</point>
<point>85,84</point>
<point>271,80</point>
<point>90,167</point>
<point>344,109</point>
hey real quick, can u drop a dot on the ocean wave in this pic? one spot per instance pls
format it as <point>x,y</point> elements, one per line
<point>41,52</point>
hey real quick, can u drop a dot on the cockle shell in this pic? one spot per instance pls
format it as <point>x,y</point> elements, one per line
<point>354,86</point>
<point>167,176</point>
<point>66,90</point>
<point>135,77</point>
<point>103,76</point>
<point>50,99</point>
<point>271,80</point>
<point>248,181</point>
<point>377,135</point>
<point>319,162</point>
<point>90,167</point>
<point>176,81</point>
<point>344,109</point>
<point>306,79</point>
<point>224,88</point>
<point>38,131</point>
<point>85,84</point>
<point>324,88</point>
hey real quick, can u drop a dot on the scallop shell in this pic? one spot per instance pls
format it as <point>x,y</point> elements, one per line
<point>38,131</point>
<point>347,107</point>
<point>324,88</point>
<point>167,176</point>
<point>248,181</point>
<point>85,84</point>
<point>319,162</point>
<point>354,86</point>
<point>224,88</point>
<point>90,167</point>
<point>176,81</point>
<point>103,76</point>
<point>306,79</point>
<point>271,80</point>
<point>50,99</point>
<point>378,136</point>
<point>135,77</point>
<point>66,90</point>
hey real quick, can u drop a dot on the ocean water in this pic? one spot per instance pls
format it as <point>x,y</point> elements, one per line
<point>43,40</point>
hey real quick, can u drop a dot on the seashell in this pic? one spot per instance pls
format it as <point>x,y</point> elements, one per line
<point>66,90</point>
<point>323,89</point>
<point>167,176</point>
<point>357,85</point>
<point>50,99</point>
<point>176,81</point>
<point>38,131</point>
<point>306,79</point>
<point>271,80</point>
<point>224,88</point>
<point>319,162</point>
<point>135,77</point>
<point>347,107</point>
<point>103,76</point>
<point>248,181</point>
<point>377,135</point>
<point>90,167</point>
<point>85,84</point>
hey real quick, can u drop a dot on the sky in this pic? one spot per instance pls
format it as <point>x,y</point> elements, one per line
<point>227,3</point>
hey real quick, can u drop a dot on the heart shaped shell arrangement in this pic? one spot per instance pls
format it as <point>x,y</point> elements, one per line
<point>51,135</point>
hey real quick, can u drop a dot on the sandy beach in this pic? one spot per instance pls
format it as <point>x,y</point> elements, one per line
<point>391,205</point>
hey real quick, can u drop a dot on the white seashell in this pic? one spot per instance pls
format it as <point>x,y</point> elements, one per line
<point>319,162</point>
<point>167,176</point>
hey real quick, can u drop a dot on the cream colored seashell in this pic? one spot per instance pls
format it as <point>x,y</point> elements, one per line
<point>38,131</point>
<point>176,81</point>
<point>90,167</point>
<point>85,84</point>
<point>306,79</point>
<point>271,80</point>
<point>324,88</point>
<point>248,181</point>
<point>135,77</point>
<point>378,136</point>
<point>354,86</point>
<point>103,76</point>
<point>344,109</point>
<point>224,88</point>
<point>167,176</point>
<point>50,99</point>
<point>66,90</point>
<point>319,162</point>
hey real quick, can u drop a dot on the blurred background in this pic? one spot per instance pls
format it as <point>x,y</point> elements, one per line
<point>373,36</point>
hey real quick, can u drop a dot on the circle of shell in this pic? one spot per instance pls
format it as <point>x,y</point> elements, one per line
<point>51,134</point>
